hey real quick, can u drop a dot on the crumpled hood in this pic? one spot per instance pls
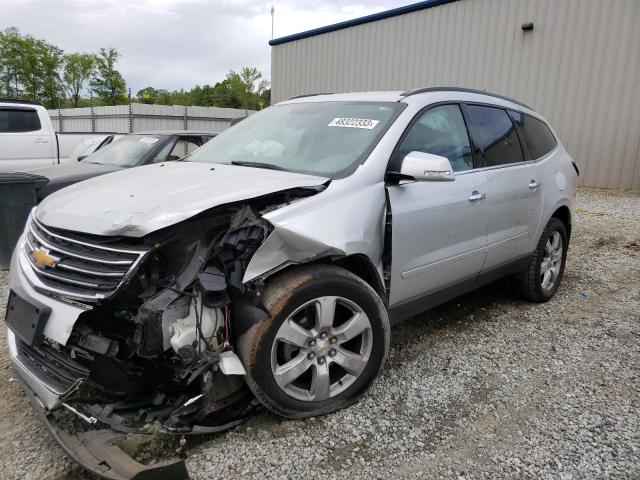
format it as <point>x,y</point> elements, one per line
<point>137,201</point>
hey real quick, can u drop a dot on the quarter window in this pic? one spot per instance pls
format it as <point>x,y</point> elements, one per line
<point>495,136</point>
<point>537,135</point>
<point>18,120</point>
<point>440,130</point>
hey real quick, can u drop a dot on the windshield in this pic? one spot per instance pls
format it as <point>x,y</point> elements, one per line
<point>317,138</point>
<point>127,151</point>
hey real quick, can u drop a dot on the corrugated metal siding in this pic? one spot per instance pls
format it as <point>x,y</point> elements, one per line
<point>579,67</point>
<point>145,117</point>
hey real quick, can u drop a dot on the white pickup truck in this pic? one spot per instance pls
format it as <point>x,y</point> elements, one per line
<point>28,139</point>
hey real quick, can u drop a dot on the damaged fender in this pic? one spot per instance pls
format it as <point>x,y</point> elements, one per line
<point>345,225</point>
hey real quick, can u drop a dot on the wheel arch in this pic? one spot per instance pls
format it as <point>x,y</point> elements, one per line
<point>358,263</point>
<point>563,214</point>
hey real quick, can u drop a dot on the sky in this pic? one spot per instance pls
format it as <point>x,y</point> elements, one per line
<point>175,44</point>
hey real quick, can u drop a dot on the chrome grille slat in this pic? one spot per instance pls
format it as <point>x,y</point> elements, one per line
<point>65,251</point>
<point>96,273</point>
<point>79,270</point>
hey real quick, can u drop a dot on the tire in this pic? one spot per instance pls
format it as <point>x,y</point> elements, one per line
<point>294,335</point>
<point>531,283</point>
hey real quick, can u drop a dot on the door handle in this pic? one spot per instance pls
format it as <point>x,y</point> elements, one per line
<point>533,185</point>
<point>41,140</point>
<point>476,195</point>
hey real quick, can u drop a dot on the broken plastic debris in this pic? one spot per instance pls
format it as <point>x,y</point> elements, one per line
<point>230,364</point>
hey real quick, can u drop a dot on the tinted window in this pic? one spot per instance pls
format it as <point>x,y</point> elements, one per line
<point>537,135</point>
<point>441,131</point>
<point>19,120</point>
<point>495,136</point>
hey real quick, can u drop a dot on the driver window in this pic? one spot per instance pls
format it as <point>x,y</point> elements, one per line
<point>440,130</point>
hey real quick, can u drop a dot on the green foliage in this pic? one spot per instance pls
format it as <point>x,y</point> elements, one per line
<point>108,83</point>
<point>78,69</point>
<point>29,68</point>
<point>34,69</point>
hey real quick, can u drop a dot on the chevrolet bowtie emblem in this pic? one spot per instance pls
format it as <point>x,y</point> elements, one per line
<point>43,259</point>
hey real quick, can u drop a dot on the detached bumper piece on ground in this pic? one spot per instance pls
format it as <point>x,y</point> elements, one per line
<point>97,452</point>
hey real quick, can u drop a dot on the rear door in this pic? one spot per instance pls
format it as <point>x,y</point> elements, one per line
<point>438,228</point>
<point>514,195</point>
<point>25,142</point>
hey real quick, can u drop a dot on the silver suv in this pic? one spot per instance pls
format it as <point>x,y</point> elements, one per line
<point>270,263</point>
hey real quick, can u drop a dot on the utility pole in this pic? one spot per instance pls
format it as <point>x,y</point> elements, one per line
<point>273,9</point>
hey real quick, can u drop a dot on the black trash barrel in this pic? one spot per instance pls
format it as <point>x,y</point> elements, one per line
<point>17,198</point>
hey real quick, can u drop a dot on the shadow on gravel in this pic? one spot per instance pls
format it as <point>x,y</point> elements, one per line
<point>456,315</point>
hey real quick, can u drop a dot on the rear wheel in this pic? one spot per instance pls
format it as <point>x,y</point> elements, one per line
<point>321,347</point>
<point>542,278</point>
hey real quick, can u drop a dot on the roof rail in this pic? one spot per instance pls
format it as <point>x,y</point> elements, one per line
<point>310,95</point>
<point>15,100</point>
<point>416,91</point>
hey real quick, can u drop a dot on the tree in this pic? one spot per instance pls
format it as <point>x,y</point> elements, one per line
<point>11,45</point>
<point>147,95</point>
<point>78,69</point>
<point>108,83</point>
<point>248,86</point>
<point>51,61</point>
<point>29,67</point>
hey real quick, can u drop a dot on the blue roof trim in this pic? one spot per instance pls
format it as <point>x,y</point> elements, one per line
<point>359,21</point>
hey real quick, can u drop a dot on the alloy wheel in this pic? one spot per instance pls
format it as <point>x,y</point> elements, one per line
<point>551,261</point>
<point>321,348</point>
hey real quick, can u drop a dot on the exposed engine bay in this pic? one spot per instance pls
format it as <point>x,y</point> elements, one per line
<point>158,354</point>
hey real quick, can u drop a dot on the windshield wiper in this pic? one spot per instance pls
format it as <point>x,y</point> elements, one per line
<point>269,166</point>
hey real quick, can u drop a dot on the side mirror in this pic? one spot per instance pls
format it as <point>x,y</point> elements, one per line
<point>426,167</point>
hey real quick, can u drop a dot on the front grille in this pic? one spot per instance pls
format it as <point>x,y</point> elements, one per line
<point>52,367</point>
<point>77,268</point>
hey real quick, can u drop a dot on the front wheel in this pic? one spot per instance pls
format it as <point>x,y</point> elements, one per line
<point>324,342</point>
<point>542,278</point>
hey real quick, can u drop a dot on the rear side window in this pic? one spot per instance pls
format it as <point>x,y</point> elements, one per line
<point>18,120</point>
<point>537,135</point>
<point>495,135</point>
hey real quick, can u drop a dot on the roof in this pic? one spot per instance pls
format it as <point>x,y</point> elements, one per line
<point>175,132</point>
<point>21,102</point>
<point>359,21</point>
<point>394,96</point>
<point>440,93</point>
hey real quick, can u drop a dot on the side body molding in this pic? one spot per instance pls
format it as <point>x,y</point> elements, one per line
<point>341,225</point>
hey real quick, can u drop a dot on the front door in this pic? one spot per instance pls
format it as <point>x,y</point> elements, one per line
<point>438,228</point>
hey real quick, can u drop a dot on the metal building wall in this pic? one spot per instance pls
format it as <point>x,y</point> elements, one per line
<point>144,117</point>
<point>579,67</point>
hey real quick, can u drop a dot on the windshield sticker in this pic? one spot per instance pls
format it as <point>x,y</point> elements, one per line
<point>354,123</point>
<point>148,140</point>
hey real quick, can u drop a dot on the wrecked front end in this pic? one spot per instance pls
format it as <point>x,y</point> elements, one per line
<point>138,334</point>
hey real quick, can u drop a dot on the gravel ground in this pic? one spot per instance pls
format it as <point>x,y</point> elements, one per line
<point>486,386</point>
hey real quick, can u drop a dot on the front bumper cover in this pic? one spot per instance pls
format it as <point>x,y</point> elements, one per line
<point>97,452</point>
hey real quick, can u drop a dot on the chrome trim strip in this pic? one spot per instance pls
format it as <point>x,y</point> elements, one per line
<point>41,287</point>
<point>62,279</point>
<point>79,242</point>
<point>96,273</point>
<point>50,246</point>
<point>32,272</point>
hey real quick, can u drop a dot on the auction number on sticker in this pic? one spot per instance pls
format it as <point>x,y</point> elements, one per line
<point>354,123</point>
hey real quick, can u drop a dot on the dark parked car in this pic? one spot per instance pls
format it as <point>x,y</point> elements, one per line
<point>128,151</point>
